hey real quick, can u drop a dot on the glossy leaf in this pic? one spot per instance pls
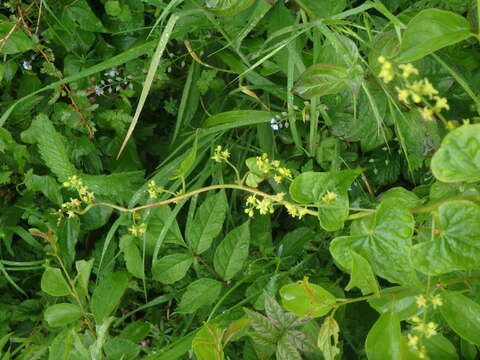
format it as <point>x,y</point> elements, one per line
<point>325,79</point>
<point>53,282</point>
<point>458,159</point>
<point>132,256</point>
<point>228,7</point>
<point>172,268</point>
<point>383,239</point>
<point>199,293</point>
<point>362,275</point>
<point>107,295</point>
<point>232,252</point>
<point>328,338</point>
<point>62,314</point>
<point>305,299</point>
<point>463,315</point>
<point>455,242</point>
<point>429,31</point>
<point>383,339</point>
<point>407,198</point>
<point>207,343</point>
<point>400,299</point>
<point>207,223</point>
<point>310,187</point>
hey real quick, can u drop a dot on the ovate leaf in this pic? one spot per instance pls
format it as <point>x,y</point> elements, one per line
<point>207,343</point>
<point>53,282</point>
<point>462,315</point>
<point>305,299</point>
<point>458,158</point>
<point>207,223</point>
<point>232,252</point>
<point>16,41</point>
<point>455,244</point>
<point>199,293</point>
<point>172,268</point>
<point>383,339</point>
<point>328,338</point>
<point>107,295</point>
<point>383,240</point>
<point>431,30</point>
<point>62,314</point>
<point>362,275</point>
<point>132,256</point>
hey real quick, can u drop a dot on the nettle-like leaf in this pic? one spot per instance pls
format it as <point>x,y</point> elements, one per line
<point>458,158</point>
<point>455,243</point>
<point>328,338</point>
<point>232,252</point>
<point>462,315</point>
<point>384,338</point>
<point>207,223</point>
<point>431,30</point>
<point>305,299</point>
<point>310,187</point>
<point>383,240</point>
<point>172,268</point>
<point>199,293</point>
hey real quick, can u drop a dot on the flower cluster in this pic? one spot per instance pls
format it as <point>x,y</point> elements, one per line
<point>137,230</point>
<point>264,206</point>
<point>220,154</point>
<point>272,168</point>
<point>422,301</point>
<point>154,189</point>
<point>74,206</point>
<point>420,92</point>
<point>295,210</point>
<point>329,197</point>
<point>114,82</point>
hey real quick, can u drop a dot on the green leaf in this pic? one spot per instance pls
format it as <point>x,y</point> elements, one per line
<point>383,240</point>
<point>311,187</point>
<point>52,147</point>
<point>265,331</point>
<point>235,118</point>
<point>234,328</point>
<point>207,343</point>
<point>399,299</point>
<point>199,293</point>
<point>362,275</point>
<point>326,79</point>
<point>232,252</point>
<point>228,7</point>
<point>172,268</point>
<point>188,162</point>
<point>16,41</point>
<point>207,223</point>
<point>455,245</point>
<point>407,198</point>
<point>107,295</point>
<point>84,268</point>
<point>81,13</point>
<point>383,339</point>
<point>113,8</point>
<point>53,282</point>
<point>132,256</point>
<point>429,31</point>
<point>458,158</point>
<point>286,350</point>
<point>44,184</point>
<point>328,338</point>
<point>62,314</point>
<point>462,315</point>
<point>124,349</point>
<point>305,299</point>
<point>156,221</point>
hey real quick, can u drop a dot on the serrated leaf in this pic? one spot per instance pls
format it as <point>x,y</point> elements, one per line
<point>362,275</point>
<point>458,158</point>
<point>207,223</point>
<point>274,311</point>
<point>328,338</point>
<point>52,148</point>
<point>199,293</point>
<point>311,187</point>
<point>462,315</point>
<point>232,252</point>
<point>286,350</point>
<point>265,331</point>
<point>305,299</point>
<point>429,31</point>
<point>62,314</point>
<point>172,268</point>
<point>107,295</point>
<point>383,339</point>
<point>383,240</point>
<point>132,256</point>
<point>455,244</point>
<point>207,343</point>
<point>53,282</point>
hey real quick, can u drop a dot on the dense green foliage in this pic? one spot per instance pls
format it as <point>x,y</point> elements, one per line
<point>239,179</point>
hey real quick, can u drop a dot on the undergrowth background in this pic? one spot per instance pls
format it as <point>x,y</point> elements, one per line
<point>346,240</point>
